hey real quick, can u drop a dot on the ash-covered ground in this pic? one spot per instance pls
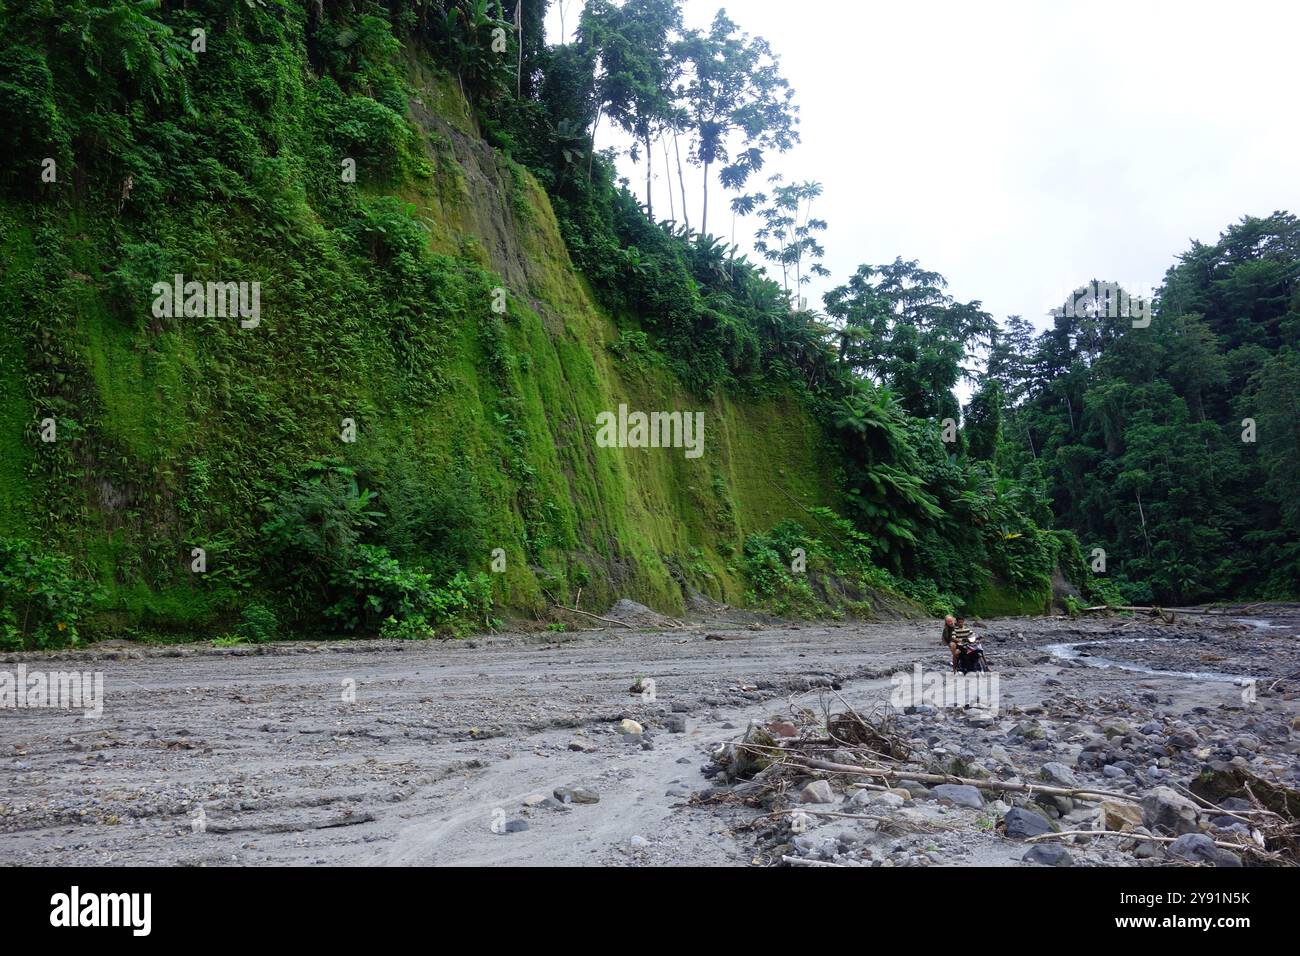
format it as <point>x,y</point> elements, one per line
<point>515,749</point>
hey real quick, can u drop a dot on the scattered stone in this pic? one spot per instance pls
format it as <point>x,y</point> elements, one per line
<point>1114,727</point>
<point>819,791</point>
<point>918,790</point>
<point>1164,810</point>
<point>1048,854</point>
<point>1029,730</point>
<point>630,727</point>
<point>1021,823</point>
<point>1120,816</point>
<point>1059,774</point>
<point>1146,850</point>
<point>884,798</point>
<point>959,795</point>
<point>638,615</point>
<point>576,795</point>
<point>1198,848</point>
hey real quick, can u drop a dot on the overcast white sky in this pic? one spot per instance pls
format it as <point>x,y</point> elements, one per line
<point>1023,148</point>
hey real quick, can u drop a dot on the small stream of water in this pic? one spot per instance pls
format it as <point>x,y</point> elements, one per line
<point>1072,652</point>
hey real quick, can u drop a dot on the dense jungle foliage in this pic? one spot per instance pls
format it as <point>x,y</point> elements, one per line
<point>1174,448</point>
<point>198,480</point>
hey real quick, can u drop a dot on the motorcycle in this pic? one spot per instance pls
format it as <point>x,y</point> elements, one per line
<point>969,657</point>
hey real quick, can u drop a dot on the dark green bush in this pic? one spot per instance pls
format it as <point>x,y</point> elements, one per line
<point>257,624</point>
<point>41,598</point>
<point>376,587</point>
<point>315,527</point>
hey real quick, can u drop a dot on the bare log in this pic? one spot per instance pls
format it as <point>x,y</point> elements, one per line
<point>800,861</point>
<point>1223,844</point>
<point>998,785</point>
<point>597,617</point>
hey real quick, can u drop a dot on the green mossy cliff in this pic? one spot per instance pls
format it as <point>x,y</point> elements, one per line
<point>376,305</point>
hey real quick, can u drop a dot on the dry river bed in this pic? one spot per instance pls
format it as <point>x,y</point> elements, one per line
<point>381,753</point>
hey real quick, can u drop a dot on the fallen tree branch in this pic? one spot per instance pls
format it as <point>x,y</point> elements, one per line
<point>882,772</point>
<point>597,617</point>
<point>800,861</point>
<point>1223,844</point>
<point>839,814</point>
<point>1229,813</point>
<point>1273,686</point>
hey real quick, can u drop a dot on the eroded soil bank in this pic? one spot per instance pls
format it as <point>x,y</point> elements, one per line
<point>451,753</point>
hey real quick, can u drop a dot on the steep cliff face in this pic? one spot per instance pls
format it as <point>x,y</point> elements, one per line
<point>173,433</point>
<point>655,524</point>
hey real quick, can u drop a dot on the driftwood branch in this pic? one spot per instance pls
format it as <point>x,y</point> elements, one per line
<point>1223,844</point>
<point>800,861</point>
<point>886,773</point>
<point>838,814</point>
<point>597,617</point>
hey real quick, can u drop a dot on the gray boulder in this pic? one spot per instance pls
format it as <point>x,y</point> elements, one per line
<point>819,791</point>
<point>959,795</point>
<point>1198,848</point>
<point>1021,823</point>
<point>1059,774</point>
<point>1165,810</point>
<point>1048,854</point>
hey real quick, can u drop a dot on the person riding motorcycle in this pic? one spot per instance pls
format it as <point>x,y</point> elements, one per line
<point>951,627</point>
<point>967,650</point>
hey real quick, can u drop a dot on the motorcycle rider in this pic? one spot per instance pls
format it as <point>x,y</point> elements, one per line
<point>959,634</point>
